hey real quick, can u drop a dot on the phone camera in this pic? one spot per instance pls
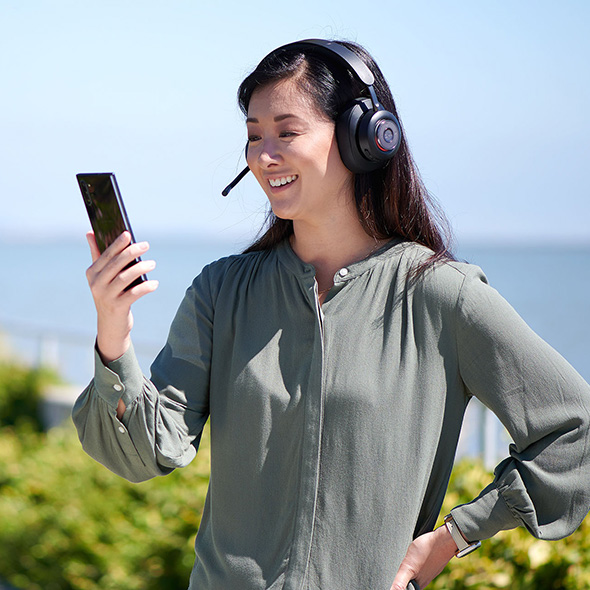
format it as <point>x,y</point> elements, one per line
<point>86,191</point>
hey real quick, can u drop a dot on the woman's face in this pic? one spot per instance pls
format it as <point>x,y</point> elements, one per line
<point>293,153</point>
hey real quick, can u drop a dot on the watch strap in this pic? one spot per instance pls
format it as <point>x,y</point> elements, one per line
<point>463,546</point>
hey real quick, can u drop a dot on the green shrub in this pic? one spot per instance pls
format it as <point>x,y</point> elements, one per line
<point>67,523</point>
<point>20,394</point>
<point>513,559</point>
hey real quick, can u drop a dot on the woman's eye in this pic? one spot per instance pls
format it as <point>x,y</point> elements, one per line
<point>252,138</point>
<point>286,134</point>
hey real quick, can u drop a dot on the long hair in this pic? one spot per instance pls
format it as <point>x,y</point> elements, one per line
<point>391,201</point>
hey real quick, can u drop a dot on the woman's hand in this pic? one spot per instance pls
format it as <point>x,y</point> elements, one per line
<point>425,559</point>
<point>108,278</point>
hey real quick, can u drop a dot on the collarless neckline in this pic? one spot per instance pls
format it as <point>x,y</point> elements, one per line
<point>304,269</point>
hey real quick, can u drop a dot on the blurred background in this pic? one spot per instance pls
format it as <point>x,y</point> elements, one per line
<point>493,97</point>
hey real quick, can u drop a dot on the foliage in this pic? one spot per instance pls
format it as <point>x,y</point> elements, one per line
<point>67,523</point>
<point>513,559</point>
<point>20,394</point>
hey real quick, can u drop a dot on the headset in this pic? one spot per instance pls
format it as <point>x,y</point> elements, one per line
<point>367,134</point>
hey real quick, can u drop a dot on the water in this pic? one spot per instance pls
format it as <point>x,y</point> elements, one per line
<point>43,289</point>
<point>46,308</point>
<point>44,295</point>
<point>548,286</point>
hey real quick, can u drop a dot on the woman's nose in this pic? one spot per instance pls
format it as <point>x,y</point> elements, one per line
<point>269,153</point>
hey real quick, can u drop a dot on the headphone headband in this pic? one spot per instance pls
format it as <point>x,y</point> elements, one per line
<point>351,59</point>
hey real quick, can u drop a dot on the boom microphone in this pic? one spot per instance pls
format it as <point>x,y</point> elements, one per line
<point>235,181</point>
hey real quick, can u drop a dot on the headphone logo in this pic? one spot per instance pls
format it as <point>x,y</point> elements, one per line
<point>368,135</point>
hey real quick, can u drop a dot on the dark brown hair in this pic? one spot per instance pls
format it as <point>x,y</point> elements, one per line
<point>391,201</point>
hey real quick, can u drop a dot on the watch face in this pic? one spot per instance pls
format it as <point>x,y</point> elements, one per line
<point>469,549</point>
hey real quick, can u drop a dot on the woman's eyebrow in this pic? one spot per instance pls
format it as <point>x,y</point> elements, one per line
<point>276,119</point>
<point>285,116</point>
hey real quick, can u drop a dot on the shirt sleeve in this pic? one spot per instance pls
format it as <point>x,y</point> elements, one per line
<point>164,417</point>
<point>544,404</point>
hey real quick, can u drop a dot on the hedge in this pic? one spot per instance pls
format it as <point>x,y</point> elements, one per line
<point>68,523</point>
<point>20,394</point>
<point>513,559</point>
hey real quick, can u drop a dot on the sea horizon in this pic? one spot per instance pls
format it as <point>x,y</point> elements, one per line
<point>44,285</point>
<point>47,315</point>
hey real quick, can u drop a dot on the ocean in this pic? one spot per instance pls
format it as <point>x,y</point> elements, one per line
<point>47,313</point>
<point>46,308</point>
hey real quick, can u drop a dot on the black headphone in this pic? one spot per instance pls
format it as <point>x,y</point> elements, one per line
<point>368,135</point>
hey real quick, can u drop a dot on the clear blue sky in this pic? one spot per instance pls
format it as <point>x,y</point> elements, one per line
<point>494,97</point>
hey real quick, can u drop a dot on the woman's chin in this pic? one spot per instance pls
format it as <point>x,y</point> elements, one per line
<point>283,212</point>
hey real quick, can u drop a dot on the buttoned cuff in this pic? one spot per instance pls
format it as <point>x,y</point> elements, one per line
<point>120,379</point>
<point>485,516</point>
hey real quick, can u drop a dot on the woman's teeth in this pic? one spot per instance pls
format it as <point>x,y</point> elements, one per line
<point>281,181</point>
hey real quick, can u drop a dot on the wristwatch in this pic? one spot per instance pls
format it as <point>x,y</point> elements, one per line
<point>463,546</point>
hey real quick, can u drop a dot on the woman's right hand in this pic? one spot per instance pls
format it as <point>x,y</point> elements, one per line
<point>108,278</point>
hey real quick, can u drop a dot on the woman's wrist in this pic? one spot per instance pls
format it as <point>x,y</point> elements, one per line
<point>464,547</point>
<point>110,349</point>
<point>445,539</point>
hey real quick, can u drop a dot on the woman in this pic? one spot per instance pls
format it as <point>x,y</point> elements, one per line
<point>335,359</point>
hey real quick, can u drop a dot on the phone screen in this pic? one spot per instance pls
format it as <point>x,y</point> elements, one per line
<point>106,210</point>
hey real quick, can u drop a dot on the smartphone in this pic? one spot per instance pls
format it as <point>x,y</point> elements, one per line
<point>106,211</point>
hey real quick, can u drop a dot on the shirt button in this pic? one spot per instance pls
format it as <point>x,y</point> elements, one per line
<point>117,387</point>
<point>343,272</point>
<point>121,430</point>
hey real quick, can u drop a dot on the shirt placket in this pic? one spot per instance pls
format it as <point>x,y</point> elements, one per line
<point>298,571</point>
<point>311,455</point>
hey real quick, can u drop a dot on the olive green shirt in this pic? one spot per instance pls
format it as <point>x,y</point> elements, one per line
<point>334,428</point>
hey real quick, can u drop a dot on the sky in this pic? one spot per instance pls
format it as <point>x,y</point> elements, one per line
<point>493,97</point>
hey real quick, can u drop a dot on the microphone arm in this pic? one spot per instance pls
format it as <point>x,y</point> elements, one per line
<point>235,181</point>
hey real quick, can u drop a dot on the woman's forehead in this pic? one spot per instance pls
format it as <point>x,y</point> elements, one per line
<point>281,98</point>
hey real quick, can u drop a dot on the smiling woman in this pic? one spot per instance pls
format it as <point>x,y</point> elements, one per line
<point>363,132</point>
<point>293,153</point>
<point>335,359</point>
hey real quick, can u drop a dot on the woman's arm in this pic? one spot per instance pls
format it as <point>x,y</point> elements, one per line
<point>544,404</point>
<point>108,277</point>
<point>136,427</point>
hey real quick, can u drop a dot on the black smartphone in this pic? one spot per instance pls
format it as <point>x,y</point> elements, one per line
<point>106,211</point>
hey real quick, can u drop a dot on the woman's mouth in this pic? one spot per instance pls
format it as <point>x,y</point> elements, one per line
<point>281,181</point>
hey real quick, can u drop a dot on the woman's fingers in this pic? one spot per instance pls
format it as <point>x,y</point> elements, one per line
<point>106,267</point>
<point>129,275</point>
<point>100,261</point>
<point>426,557</point>
<point>109,278</point>
<point>115,248</point>
<point>112,273</point>
<point>132,295</point>
<point>119,261</point>
<point>94,251</point>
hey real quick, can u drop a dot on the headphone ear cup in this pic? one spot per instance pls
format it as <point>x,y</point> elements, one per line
<point>379,136</point>
<point>347,126</point>
<point>367,139</point>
